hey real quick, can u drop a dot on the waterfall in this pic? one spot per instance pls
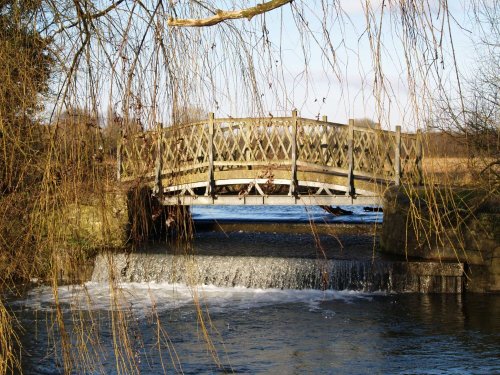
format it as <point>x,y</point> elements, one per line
<point>280,273</point>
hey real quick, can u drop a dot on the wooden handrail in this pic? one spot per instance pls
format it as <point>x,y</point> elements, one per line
<point>252,120</point>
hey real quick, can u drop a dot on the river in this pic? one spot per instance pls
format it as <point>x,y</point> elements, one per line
<point>252,325</point>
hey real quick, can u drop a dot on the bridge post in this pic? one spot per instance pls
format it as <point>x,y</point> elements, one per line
<point>419,158</point>
<point>324,142</point>
<point>293,179</point>
<point>210,183</point>
<point>119,156</point>
<point>397,157</point>
<point>159,159</point>
<point>350,159</point>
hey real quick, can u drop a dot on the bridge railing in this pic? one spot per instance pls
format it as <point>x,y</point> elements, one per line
<point>293,143</point>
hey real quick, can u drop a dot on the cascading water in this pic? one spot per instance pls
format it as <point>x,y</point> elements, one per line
<point>263,292</point>
<point>280,273</point>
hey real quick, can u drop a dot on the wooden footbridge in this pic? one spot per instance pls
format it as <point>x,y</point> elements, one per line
<point>270,161</point>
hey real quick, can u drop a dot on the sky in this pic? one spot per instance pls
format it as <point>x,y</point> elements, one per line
<point>295,65</point>
<point>349,93</point>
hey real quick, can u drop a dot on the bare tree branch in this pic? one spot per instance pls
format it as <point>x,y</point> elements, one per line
<point>222,15</point>
<point>98,14</point>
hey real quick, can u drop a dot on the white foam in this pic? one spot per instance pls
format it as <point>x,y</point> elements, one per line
<point>143,297</point>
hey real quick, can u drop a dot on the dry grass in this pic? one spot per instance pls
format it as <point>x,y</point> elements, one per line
<point>454,171</point>
<point>9,342</point>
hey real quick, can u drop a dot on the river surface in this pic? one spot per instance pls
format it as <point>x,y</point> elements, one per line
<point>153,327</point>
<point>273,331</point>
<point>284,214</point>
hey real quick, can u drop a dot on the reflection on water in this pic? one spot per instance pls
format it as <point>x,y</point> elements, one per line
<point>276,331</point>
<point>297,214</point>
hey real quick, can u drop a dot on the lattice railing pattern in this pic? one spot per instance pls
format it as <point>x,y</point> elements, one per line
<point>138,154</point>
<point>374,153</point>
<point>240,143</point>
<point>185,147</point>
<point>409,155</point>
<point>322,143</point>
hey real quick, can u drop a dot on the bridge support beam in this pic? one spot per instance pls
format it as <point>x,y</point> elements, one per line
<point>210,181</point>
<point>270,200</point>
<point>350,159</point>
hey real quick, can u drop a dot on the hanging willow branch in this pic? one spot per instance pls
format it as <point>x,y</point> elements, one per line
<point>222,15</point>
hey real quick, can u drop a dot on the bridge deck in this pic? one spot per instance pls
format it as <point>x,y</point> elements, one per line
<point>271,161</point>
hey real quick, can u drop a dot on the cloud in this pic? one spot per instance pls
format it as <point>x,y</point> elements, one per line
<point>357,7</point>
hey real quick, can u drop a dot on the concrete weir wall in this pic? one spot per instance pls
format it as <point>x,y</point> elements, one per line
<point>446,225</point>
<point>97,221</point>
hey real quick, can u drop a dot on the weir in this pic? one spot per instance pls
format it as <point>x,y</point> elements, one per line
<point>281,273</point>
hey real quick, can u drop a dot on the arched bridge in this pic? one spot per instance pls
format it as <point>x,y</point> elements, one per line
<point>274,161</point>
